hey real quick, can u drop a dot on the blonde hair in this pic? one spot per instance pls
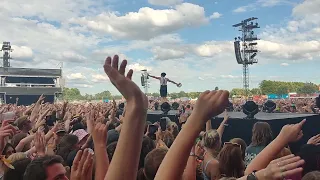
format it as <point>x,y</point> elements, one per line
<point>16,156</point>
<point>211,140</point>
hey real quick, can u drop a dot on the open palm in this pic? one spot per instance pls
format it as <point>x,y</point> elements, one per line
<point>124,84</point>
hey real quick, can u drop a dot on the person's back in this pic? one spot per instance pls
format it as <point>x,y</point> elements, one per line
<point>251,153</point>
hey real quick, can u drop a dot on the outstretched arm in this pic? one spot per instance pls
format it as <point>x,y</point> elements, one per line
<point>124,165</point>
<point>155,77</point>
<point>209,104</point>
<point>172,81</point>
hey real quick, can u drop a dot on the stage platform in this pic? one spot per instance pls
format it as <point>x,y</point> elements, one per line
<point>240,115</point>
<point>242,128</point>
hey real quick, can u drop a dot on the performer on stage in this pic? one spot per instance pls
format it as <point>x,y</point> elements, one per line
<point>163,85</point>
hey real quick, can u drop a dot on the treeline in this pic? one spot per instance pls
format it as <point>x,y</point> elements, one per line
<point>72,94</point>
<point>279,87</point>
<point>265,87</point>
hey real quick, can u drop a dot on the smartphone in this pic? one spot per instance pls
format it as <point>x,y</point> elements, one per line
<point>163,124</point>
<point>50,120</point>
<point>153,129</point>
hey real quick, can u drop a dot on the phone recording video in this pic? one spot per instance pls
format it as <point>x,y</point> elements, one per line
<point>153,129</point>
<point>50,120</point>
<point>163,124</point>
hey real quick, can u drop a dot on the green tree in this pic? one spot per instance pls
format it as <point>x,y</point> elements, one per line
<point>103,95</point>
<point>256,91</point>
<point>194,95</point>
<point>71,94</point>
<point>307,88</point>
<point>281,89</point>
<point>155,94</point>
<point>182,94</point>
<point>237,92</point>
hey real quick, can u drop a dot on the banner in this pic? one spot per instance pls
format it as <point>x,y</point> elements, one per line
<point>275,96</point>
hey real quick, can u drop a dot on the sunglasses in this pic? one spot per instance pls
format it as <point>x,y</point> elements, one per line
<point>232,144</point>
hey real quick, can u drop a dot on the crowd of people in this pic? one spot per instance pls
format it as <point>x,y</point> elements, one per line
<point>111,141</point>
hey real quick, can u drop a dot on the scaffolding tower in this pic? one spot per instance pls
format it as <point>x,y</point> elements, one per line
<point>246,48</point>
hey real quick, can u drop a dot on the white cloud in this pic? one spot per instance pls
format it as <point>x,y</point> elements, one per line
<point>21,52</point>
<point>306,7</point>
<point>261,3</point>
<point>201,79</point>
<point>241,9</point>
<point>284,64</point>
<point>165,2</point>
<point>99,77</point>
<point>229,76</point>
<point>76,76</point>
<point>301,50</point>
<point>57,10</point>
<point>138,67</point>
<point>147,20</point>
<point>165,54</point>
<point>215,15</point>
<point>214,48</point>
<point>72,56</point>
<point>83,85</point>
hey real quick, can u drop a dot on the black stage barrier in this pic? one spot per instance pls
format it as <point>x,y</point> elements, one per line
<point>242,128</point>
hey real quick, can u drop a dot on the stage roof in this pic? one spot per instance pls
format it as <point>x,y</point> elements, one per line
<point>30,72</point>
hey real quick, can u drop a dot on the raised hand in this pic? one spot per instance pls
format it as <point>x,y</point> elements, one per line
<point>314,140</point>
<point>125,161</point>
<point>292,132</point>
<point>40,143</point>
<point>210,103</point>
<point>82,166</point>
<point>99,135</point>
<point>6,131</point>
<point>282,168</point>
<point>124,84</point>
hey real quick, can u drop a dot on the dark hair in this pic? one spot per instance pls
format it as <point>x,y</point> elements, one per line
<point>153,161</point>
<point>111,148</point>
<point>36,170</point>
<point>6,148</point>
<point>231,163</point>
<point>16,140</point>
<point>17,173</point>
<point>261,134</point>
<point>318,101</point>
<point>243,145</point>
<point>66,145</point>
<point>147,146</point>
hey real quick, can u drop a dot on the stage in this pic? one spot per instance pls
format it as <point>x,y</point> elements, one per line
<point>242,128</point>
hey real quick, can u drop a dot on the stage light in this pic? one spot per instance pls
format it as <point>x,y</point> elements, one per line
<point>250,108</point>
<point>253,55</point>
<point>269,106</point>
<point>175,106</point>
<point>165,107</point>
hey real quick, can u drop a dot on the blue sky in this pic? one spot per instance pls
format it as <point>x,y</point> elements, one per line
<point>192,41</point>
